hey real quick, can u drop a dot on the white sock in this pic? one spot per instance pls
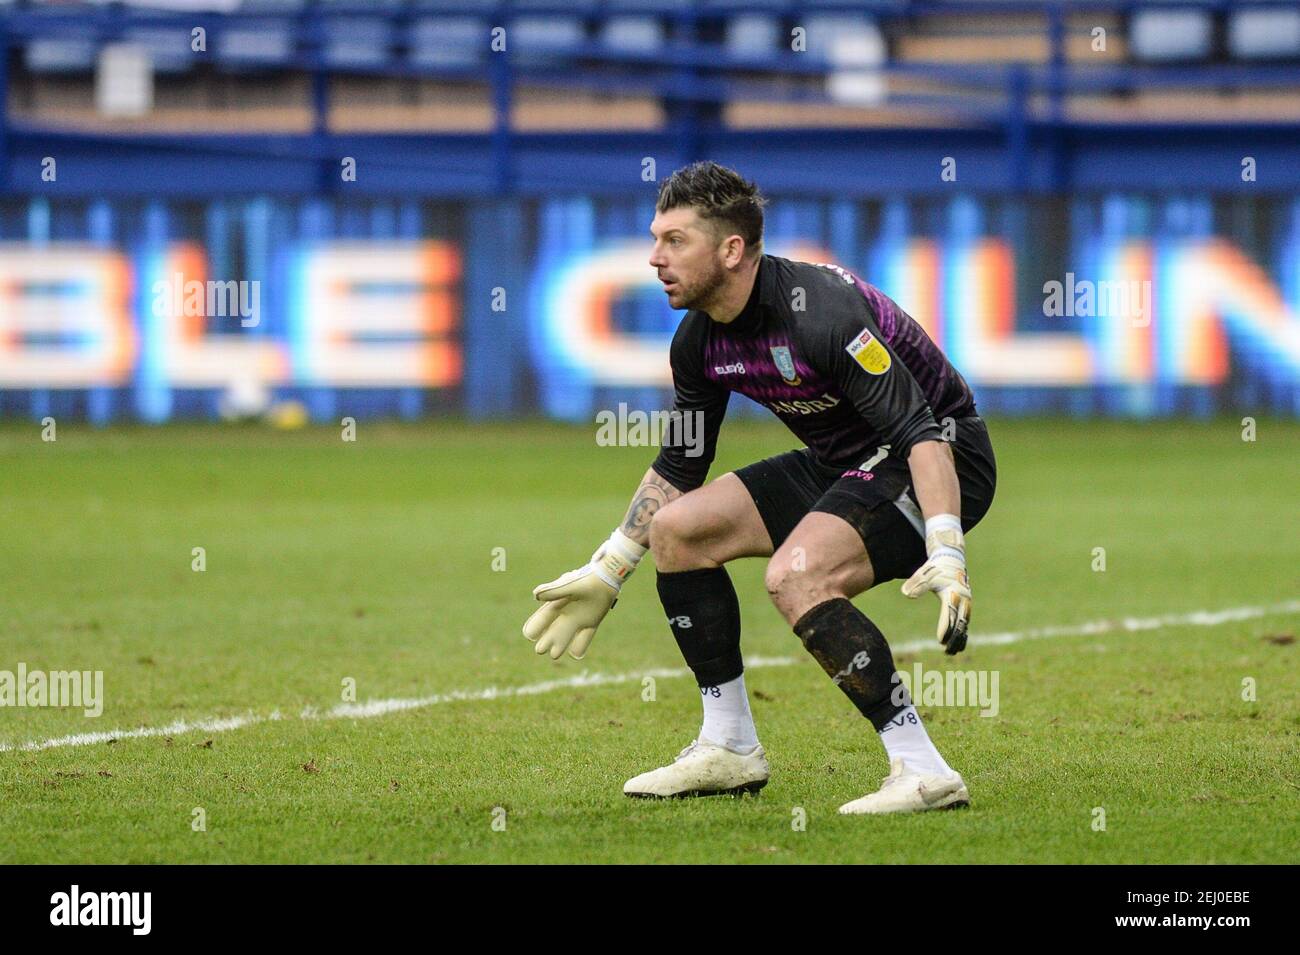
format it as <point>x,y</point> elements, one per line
<point>727,720</point>
<point>905,736</point>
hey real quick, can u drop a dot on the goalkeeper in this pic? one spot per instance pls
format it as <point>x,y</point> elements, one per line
<point>896,467</point>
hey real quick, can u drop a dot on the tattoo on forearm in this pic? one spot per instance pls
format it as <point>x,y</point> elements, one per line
<point>653,494</point>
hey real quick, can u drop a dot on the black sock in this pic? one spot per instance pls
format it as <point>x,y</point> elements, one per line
<point>853,652</point>
<point>705,616</point>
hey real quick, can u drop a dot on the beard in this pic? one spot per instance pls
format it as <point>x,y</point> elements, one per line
<point>701,292</point>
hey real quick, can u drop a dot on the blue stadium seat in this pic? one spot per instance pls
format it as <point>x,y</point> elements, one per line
<point>448,41</point>
<point>1170,34</point>
<point>169,47</point>
<point>648,6</point>
<point>357,41</point>
<point>632,33</point>
<point>457,6</point>
<point>743,5</point>
<point>824,29</point>
<point>570,6</point>
<point>272,6</point>
<point>266,43</point>
<point>361,6</point>
<point>71,55</point>
<point>863,6</point>
<point>752,34</point>
<point>1262,33</point>
<point>533,37</point>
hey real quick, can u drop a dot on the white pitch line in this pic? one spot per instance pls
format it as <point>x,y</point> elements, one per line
<point>371,708</point>
<point>212,725</point>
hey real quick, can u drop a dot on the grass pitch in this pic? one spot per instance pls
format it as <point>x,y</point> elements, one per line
<point>377,562</point>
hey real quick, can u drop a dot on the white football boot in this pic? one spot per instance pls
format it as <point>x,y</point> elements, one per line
<point>703,769</point>
<point>905,790</point>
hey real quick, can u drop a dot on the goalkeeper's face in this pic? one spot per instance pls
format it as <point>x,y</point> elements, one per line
<point>688,258</point>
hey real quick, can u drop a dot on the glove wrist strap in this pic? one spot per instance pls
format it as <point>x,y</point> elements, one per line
<point>943,537</point>
<point>618,558</point>
<point>630,549</point>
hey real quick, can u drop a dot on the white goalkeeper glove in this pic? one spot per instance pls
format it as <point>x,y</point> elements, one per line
<point>576,603</point>
<point>944,573</point>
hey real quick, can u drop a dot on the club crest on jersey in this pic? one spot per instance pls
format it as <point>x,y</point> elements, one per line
<point>785,364</point>
<point>869,353</point>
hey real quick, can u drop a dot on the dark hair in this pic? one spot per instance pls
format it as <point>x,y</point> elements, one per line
<point>721,197</point>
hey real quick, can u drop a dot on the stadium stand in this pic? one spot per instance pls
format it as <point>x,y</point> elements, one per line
<point>410,65</point>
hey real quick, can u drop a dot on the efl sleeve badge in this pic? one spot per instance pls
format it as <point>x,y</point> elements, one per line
<point>869,353</point>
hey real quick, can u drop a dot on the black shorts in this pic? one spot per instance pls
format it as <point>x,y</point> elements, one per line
<point>877,497</point>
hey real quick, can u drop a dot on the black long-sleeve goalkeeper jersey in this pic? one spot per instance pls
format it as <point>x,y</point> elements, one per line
<point>846,369</point>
